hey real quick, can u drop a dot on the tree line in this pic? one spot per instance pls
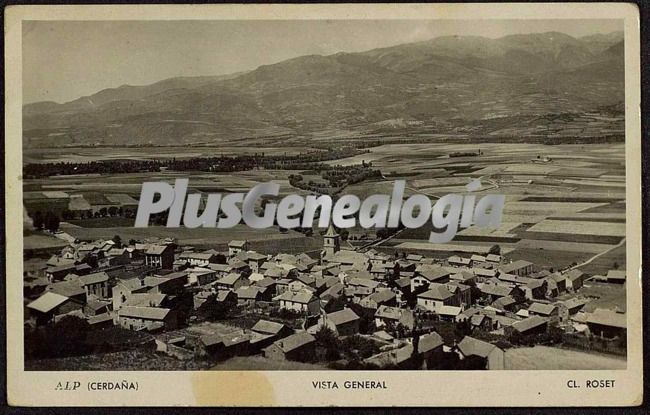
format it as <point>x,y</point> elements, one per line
<point>210,164</point>
<point>49,221</point>
<point>337,177</point>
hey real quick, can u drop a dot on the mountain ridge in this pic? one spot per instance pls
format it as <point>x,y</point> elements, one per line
<point>431,81</point>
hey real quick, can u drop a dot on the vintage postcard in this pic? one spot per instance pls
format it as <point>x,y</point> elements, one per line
<point>323,205</point>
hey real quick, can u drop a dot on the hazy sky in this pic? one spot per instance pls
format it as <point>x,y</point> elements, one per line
<point>63,61</point>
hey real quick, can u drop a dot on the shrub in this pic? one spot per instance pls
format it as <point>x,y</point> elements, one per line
<point>328,342</point>
<point>63,338</point>
<point>359,345</point>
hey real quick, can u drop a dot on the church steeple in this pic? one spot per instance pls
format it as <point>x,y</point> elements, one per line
<point>331,241</point>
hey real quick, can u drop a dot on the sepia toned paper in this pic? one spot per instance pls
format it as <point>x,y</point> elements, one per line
<point>535,103</point>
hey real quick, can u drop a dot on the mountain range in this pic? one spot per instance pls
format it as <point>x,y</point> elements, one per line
<point>446,79</point>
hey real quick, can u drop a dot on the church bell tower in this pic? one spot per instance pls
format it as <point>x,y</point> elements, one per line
<point>331,241</point>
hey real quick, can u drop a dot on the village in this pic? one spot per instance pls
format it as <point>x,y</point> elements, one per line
<point>342,308</point>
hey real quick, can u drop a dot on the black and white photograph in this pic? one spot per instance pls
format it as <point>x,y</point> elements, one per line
<point>365,195</point>
<point>531,110</point>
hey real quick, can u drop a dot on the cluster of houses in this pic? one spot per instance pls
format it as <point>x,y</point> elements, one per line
<point>157,286</point>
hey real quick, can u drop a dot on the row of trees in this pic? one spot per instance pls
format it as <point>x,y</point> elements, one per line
<point>49,221</point>
<point>213,164</point>
<point>101,213</point>
<point>337,177</point>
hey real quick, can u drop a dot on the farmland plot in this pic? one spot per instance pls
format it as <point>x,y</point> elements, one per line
<point>505,230</point>
<point>580,227</point>
<point>563,246</point>
<point>427,246</point>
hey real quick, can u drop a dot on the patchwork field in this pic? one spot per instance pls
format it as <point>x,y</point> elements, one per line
<point>564,203</point>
